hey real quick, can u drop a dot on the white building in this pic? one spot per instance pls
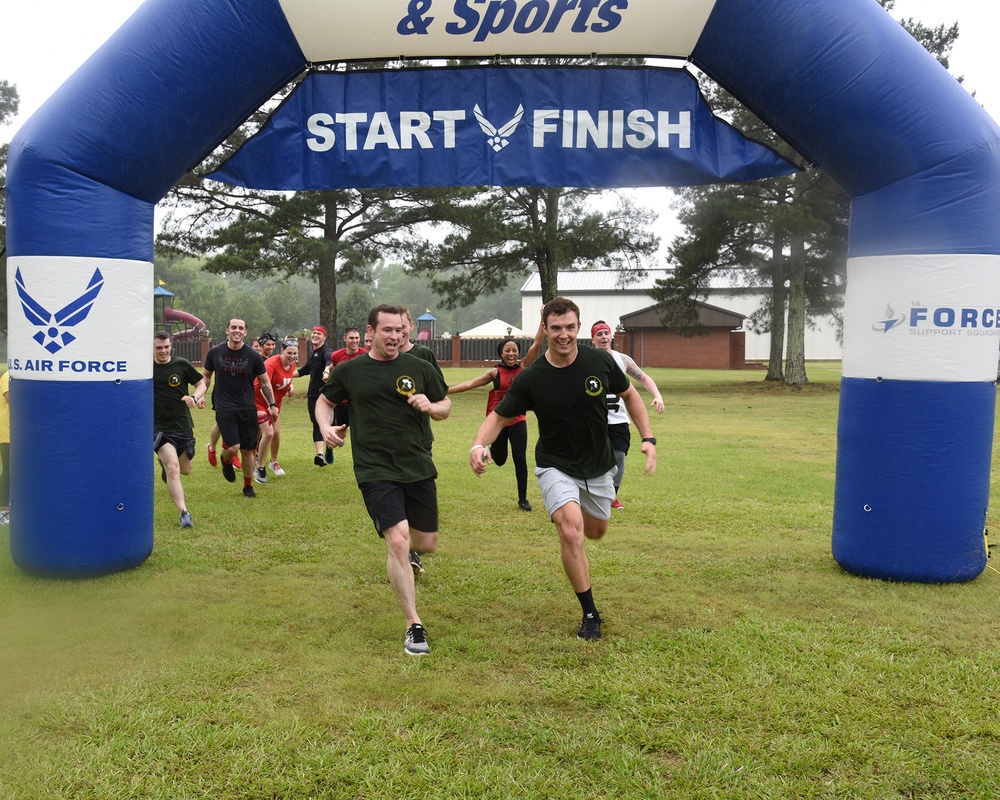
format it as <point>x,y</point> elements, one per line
<point>603,294</point>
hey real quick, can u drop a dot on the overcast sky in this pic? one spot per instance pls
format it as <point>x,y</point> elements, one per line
<point>45,41</point>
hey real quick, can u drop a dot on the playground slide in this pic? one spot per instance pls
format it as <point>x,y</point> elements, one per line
<point>197,326</point>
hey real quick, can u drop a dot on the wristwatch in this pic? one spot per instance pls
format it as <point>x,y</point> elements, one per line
<point>275,405</point>
<point>650,439</point>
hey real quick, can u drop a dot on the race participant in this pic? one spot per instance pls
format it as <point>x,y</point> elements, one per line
<point>236,366</point>
<point>281,369</point>
<point>515,435</point>
<point>352,349</point>
<point>393,398</point>
<point>314,367</point>
<point>618,427</point>
<point>173,430</point>
<point>267,344</point>
<point>574,462</point>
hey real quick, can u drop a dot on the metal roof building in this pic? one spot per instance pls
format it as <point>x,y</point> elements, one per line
<point>610,295</point>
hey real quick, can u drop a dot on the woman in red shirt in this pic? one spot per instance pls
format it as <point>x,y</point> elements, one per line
<point>515,435</point>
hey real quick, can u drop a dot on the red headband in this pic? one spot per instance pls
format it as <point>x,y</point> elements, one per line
<point>319,329</point>
<point>599,326</point>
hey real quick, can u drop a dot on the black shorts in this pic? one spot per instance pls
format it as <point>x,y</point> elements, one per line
<point>238,427</point>
<point>620,437</point>
<point>389,503</point>
<point>183,441</point>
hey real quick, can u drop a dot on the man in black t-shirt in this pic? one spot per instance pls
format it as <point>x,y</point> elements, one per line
<point>574,462</point>
<point>314,367</point>
<point>393,397</point>
<point>173,430</point>
<point>236,365</point>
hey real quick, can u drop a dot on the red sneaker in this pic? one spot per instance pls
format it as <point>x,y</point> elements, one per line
<point>616,504</point>
<point>236,459</point>
<point>211,456</point>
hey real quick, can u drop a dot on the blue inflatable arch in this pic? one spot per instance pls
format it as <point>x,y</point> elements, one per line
<point>840,81</point>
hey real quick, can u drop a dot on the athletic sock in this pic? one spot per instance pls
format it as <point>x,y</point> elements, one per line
<point>587,602</point>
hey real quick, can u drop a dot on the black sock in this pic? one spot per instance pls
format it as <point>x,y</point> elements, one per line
<point>587,603</point>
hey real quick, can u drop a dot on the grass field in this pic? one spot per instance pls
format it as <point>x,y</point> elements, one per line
<point>260,654</point>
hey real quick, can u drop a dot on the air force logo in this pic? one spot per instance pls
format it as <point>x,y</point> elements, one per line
<point>498,138</point>
<point>593,386</point>
<point>52,334</point>
<point>405,385</point>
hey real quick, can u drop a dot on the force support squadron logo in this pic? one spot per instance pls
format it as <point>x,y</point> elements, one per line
<point>405,385</point>
<point>891,320</point>
<point>593,386</point>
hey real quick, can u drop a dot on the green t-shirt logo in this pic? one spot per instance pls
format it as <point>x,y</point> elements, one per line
<point>405,385</point>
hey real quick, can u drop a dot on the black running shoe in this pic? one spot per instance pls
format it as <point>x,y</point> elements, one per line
<point>328,456</point>
<point>524,505</point>
<point>319,461</point>
<point>416,641</point>
<point>249,492</point>
<point>418,568</point>
<point>590,628</point>
<point>227,471</point>
<point>260,475</point>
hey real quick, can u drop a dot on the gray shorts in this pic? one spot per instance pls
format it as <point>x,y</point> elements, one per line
<point>593,495</point>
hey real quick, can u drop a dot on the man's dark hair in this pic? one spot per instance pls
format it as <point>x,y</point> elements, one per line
<point>350,328</point>
<point>384,308</point>
<point>161,335</point>
<point>558,306</point>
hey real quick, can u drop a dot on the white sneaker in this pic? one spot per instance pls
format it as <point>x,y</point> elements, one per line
<point>276,469</point>
<point>416,641</point>
<point>259,475</point>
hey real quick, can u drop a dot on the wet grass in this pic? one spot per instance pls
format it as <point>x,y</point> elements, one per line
<point>259,655</point>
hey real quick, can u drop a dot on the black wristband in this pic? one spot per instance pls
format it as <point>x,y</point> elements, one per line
<point>650,439</point>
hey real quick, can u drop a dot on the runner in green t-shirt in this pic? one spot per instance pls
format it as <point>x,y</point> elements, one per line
<point>393,396</point>
<point>574,462</point>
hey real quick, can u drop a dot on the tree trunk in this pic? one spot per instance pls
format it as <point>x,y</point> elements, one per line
<point>326,271</point>
<point>795,352</point>
<point>779,296</point>
<point>548,261</point>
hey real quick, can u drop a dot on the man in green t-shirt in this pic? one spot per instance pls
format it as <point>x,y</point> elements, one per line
<point>393,397</point>
<point>574,462</point>
<point>173,430</point>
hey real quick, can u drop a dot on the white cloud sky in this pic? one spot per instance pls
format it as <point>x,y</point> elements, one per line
<point>45,41</point>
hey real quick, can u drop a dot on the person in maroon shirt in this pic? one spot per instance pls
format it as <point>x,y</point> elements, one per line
<point>515,435</point>
<point>352,349</point>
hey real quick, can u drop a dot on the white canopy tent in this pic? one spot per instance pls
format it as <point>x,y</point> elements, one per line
<point>494,329</point>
